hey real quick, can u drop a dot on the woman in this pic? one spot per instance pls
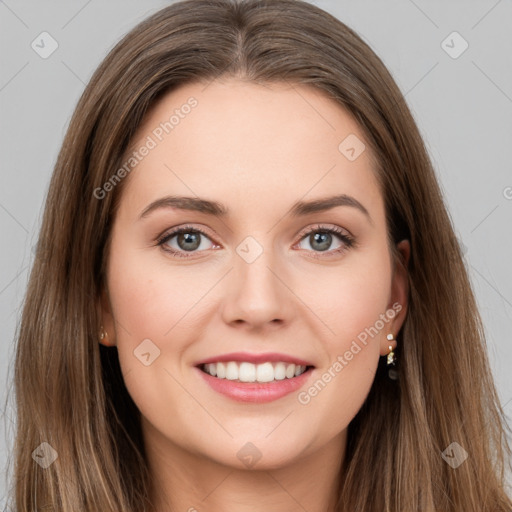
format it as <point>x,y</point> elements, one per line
<point>247,289</point>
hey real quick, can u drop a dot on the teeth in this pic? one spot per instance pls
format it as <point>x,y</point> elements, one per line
<point>290,371</point>
<point>220,371</point>
<point>211,369</point>
<point>248,372</point>
<point>279,371</point>
<point>265,372</point>
<point>232,371</point>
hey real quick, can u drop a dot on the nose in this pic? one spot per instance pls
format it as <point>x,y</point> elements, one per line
<point>258,295</point>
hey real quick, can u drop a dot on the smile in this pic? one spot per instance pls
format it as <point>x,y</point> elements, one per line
<point>249,372</point>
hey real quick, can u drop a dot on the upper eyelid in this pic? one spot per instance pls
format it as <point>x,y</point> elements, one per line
<point>322,226</point>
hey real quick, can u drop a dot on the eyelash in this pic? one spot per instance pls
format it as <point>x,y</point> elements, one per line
<point>348,240</point>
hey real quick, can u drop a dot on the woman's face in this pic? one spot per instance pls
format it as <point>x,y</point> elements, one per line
<point>266,286</point>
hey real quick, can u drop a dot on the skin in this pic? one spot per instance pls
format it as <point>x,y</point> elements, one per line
<point>257,149</point>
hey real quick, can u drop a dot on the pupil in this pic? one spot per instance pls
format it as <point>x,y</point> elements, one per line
<point>326,240</point>
<point>189,238</point>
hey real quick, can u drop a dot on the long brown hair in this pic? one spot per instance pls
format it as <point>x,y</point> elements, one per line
<point>69,389</point>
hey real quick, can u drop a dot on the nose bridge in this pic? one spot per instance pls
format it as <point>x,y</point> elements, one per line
<point>253,266</point>
<point>258,294</point>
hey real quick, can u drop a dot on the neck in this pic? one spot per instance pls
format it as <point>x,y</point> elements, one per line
<point>190,482</point>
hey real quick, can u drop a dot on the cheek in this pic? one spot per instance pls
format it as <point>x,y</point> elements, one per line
<point>152,306</point>
<point>153,299</point>
<point>149,297</point>
<point>351,299</point>
<point>353,306</point>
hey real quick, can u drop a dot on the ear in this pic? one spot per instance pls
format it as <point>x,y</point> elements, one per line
<point>399,294</point>
<point>107,320</point>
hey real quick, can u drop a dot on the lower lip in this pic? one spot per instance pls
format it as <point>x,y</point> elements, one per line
<point>258,392</point>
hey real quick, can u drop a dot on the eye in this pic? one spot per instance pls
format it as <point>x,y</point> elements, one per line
<point>188,239</point>
<point>320,238</point>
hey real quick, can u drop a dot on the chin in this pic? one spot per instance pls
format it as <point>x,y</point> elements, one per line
<point>259,452</point>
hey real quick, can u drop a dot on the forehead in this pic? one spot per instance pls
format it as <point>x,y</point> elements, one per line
<point>249,144</point>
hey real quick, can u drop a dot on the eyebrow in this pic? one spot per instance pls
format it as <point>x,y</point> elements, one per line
<point>299,209</point>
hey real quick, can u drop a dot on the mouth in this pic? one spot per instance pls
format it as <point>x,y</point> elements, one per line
<point>258,378</point>
<point>247,372</point>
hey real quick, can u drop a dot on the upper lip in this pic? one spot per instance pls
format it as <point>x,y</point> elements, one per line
<point>254,358</point>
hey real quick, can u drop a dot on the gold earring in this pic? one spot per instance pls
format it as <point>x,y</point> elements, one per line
<point>391,355</point>
<point>391,360</point>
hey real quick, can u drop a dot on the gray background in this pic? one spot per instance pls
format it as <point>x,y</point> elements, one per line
<point>463,107</point>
